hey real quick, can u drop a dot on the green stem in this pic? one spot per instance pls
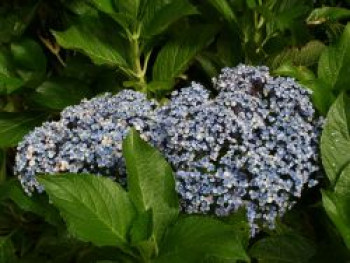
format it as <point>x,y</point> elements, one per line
<point>139,73</point>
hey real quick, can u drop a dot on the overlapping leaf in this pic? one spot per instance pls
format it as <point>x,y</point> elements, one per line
<point>95,209</point>
<point>150,182</point>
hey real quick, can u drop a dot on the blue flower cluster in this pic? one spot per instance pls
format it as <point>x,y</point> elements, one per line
<point>254,144</point>
<point>87,138</point>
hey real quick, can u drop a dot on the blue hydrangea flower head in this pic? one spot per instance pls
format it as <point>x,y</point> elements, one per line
<point>254,144</point>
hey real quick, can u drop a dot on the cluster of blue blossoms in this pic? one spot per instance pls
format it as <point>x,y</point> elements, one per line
<point>253,144</point>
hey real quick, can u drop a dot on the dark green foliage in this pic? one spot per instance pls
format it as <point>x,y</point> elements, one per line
<point>55,53</point>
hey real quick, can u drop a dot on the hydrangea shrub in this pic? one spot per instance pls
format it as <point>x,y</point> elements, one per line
<point>254,143</point>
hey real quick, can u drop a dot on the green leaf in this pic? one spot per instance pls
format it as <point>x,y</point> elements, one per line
<point>337,204</point>
<point>130,7</point>
<point>37,204</point>
<point>160,87</point>
<point>29,55</point>
<point>229,47</point>
<point>333,67</point>
<point>176,55</point>
<point>13,126</point>
<point>283,248</point>
<point>142,227</point>
<point>251,4</point>
<point>335,140</point>
<point>239,224</point>
<point>307,55</point>
<point>149,9</point>
<point>283,15</point>
<point>151,183</point>
<point>9,81</point>
<point>333,31</point>
<point>301,73</point>
<point>141,234</point>
<point>165,16</point>
<point>29,60</point>
<point>96,39</point>
<point>7,250</point>
<point>223,7</point>
<point>322,96</point>
<point>208,63</point>
<point>61,92</point>
<point>79,7</point>
<point>15,18</point>
<point>95,208</point>
<point>324,14</point>
<point>342,191</point>
<point>198,239</point>
<point>106,6</point>
<point>336,214</point>
<point>125,20</point>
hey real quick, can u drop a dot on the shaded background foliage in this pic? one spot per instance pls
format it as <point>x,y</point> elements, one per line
<point>54,53</point>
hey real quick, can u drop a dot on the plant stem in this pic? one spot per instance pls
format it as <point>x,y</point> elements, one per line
<point>136,59</point>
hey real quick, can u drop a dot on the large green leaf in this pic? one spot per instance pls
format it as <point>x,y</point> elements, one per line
<point>337,204</point>
<point>335,140</point>
<point>7,251</point>
<point>61,92</point>
<point>284,248</point>
<point>95,208</point>
<point>151,183</point>
<point>165,16</point>
<point>37,204</point>
<point>324,14</point>
<point>13,126</point>
<point>201,239</point>
<point>333,67</point>
<point>96,39</point>
<point>175,56</point>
